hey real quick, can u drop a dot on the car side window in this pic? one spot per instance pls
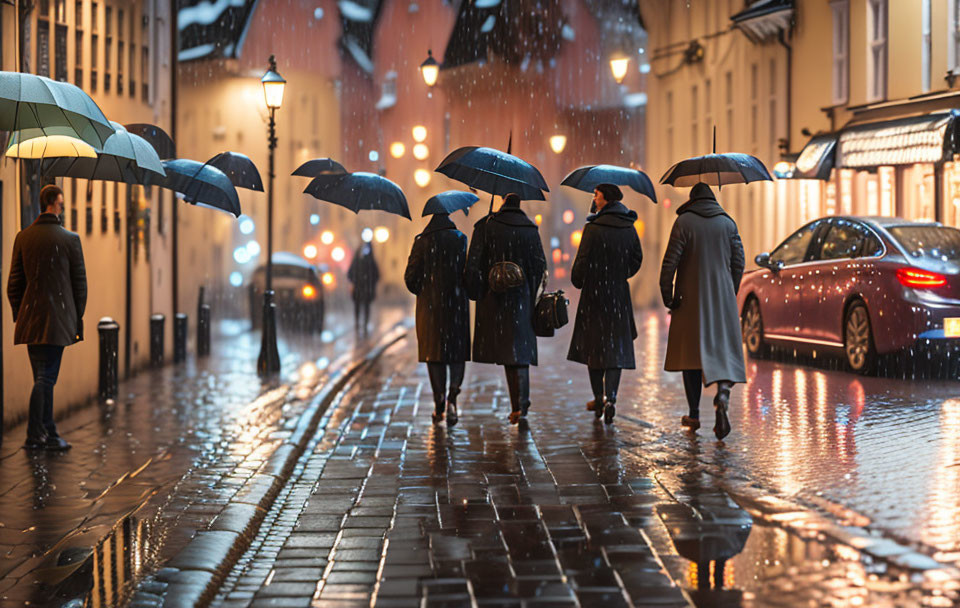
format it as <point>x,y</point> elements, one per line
<point>845,240</point>
<point>872,246</point>
<point>794,249</point>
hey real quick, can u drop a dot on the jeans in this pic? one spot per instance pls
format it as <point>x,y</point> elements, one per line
<point>438,380</point>
<point>604,383</point>
<point>45,362</point>
<point>518,383</point>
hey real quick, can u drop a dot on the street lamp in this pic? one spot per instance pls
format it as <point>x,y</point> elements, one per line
<point>269,360</point>
<point>618,65</point>
<point>558,143</point>
<point>430,69</point>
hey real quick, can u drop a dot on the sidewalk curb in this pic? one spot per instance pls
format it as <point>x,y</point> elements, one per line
<point>198,570</point>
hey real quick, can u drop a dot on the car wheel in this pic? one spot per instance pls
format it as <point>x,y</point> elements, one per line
<point>858,347</point>
<point>751,325</point>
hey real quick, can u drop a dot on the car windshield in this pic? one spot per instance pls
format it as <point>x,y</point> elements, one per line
<point>937,243</point>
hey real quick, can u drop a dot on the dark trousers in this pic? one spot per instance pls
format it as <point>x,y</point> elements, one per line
<point>361,315</point>
<point>693,387</point>
<point>45,362</point>
<point>518,383</point>
<point>438,380</point>
<point>605,383</point>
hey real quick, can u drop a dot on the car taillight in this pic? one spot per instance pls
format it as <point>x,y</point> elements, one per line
<point>914,277</point>
<point>309,292</point>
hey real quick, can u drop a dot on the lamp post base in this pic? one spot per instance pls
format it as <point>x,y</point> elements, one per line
<point>269,360</point>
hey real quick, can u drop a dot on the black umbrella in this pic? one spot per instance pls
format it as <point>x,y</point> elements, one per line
<point>589,177</point>
<point>239,168</point>
<point>450,201</point>
<point>319,166</point>
<point>494,172</point>
<point>716,170</point>
<point>125,158</point>
<point>200,185</point>
<point>360,190</point>
<point>157,137</point>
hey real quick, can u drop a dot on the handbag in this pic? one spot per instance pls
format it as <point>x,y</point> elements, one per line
<point>550,313</point>
<point>504,276</point>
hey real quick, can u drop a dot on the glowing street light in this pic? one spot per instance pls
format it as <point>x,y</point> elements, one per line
<point>568,217</point>
<point>381,234</point>
<point>419,133</point>
<point>558,143</point>
<point>327,279</point>
<point>326,237</point>
<point>397,149</point>
<point>421,151</point>
<point>430,69</point>
<point>422,177</point>
<point>618,65</point>
<point>338,254</point>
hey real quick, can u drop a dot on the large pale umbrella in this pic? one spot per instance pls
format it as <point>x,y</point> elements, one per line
<point>49,146</point>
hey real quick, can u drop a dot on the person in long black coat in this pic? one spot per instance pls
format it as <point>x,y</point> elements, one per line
<point>435,275</point>
<point>364,274</point>
<point>604,330</point>
<point>503,332</point>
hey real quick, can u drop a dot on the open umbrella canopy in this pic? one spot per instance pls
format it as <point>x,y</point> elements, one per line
<point>34,106</point>
<point>590,176</point>
<point>716,170</point>
<point>156,137</point>
<point>358,191</point>
<point>494,172</point>
<point>239,168</point>
<point>319,166</point>
<point>450,201</point>
<point>49,146</point>
<point>200,184</point>
<point>125,158</point>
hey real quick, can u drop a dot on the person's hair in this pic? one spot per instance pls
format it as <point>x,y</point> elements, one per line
<point>511,200</point>
<point>48,195</point>
<point>610,192</point>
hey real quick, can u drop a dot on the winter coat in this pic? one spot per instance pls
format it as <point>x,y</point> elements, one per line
<point>364,274</point>
<point>47,286</point>
<point>435,274</point>
<point>503,332</point>
<point>609,254</point>
<point>706,255</point>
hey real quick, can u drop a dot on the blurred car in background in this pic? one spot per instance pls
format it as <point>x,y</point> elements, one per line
<point>860,287</point>
<point>299,293</point>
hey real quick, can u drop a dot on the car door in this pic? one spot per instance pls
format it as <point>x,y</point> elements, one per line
<point>833,274</point>
<point>781,309</point>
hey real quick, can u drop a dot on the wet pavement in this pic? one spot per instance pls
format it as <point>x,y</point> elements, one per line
<point>149,469</point>
<point>388,509</point>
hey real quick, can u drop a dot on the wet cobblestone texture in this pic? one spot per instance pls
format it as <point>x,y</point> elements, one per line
<point>149,470</point>
<point>388,509</point>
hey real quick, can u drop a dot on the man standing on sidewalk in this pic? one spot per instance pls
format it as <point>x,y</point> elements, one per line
<point>47,289</point>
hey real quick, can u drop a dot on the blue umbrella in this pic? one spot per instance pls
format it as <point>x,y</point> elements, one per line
<point>156,137</point>
<point>589,177</point>
<point>200,185</point>
<point>319,166</point>
<point>239,168</point>
<point>716,170</point>
<point>357,191</point>
<point>494,172</point>
<point>125,158</point>
<point>449,201</point>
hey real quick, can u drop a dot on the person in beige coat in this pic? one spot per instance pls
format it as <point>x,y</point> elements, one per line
<point>705,255</point>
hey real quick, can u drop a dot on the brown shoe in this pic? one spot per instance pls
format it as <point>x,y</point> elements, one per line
<point>592,405</point>
<point>691,423</point>
<point>515,417</point>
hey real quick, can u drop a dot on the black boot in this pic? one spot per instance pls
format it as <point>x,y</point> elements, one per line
<point>609,411</point>
<point>438,409</point>
<point>721,428</point>
<point>452,417</point>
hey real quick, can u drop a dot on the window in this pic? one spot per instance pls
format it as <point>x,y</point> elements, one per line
<point>78,15</point>
<point>843,241</point>
<point>729,99</point>
<point>131,65</point>
<point>841,50</point>
<point>43,45</point>
<point>60,11</point>
<point>88,216</point>
<point>953,36</point>
<point>877,50</point>
<point>925,49</point>
<point>145,72</point>
<point>754,87</point>
<point>78,58</point>
<point>694,127</point>
<point>108,50</point>
<point>120,58</point>
<point>794,249</point>
<point>60,52</point>
<point>94,55</point>
<point>708,110</point>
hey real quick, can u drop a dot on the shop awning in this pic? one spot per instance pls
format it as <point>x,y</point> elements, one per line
<point>816,158</point>
<point>929,138</point>
<point>764,19</point>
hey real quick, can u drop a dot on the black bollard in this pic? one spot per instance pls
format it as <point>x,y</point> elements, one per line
<point>179,337</point>
<point>156,340</point>
<point>109,332</point>
<point>203,331</point>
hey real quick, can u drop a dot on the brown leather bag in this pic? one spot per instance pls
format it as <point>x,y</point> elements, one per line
<point>504,276</point>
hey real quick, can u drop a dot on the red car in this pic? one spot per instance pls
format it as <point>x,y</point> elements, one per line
<point>856,286</point>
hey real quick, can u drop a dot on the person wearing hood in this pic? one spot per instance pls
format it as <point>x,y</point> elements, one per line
<point>364,274</point>
<point>435,275</point>
<point>705,342</point>
<point>505,267</point>
<point>604,329</point>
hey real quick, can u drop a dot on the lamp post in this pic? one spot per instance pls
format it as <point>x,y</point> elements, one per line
<point>618,65</point>
<point>430,69</point>
<point>269,360</point>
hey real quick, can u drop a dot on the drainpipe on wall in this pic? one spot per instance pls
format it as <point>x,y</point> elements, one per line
<point>785,147</point>
<point>174,222</point>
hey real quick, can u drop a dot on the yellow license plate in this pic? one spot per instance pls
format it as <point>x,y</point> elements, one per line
<point>951,327</point>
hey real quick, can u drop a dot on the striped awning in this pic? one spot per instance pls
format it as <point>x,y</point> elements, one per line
<point>928,138</point>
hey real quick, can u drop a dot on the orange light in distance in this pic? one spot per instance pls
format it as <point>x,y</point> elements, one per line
<point>568,217</point>
<point>557,256</point>
<point>538,219</point>
<point>640,227</point>
<point>328,279</point>
<point>310,251</point>
<point>309,292</point>
<point>575,238</point>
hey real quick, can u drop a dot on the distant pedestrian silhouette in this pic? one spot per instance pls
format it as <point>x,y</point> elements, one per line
<point>435,274</point>
<point>604,330</point>
<point>706,256</point>
<point>364,274</point>
<point>505,267</point>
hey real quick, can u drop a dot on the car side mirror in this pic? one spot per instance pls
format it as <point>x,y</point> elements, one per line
<point>763,261</point>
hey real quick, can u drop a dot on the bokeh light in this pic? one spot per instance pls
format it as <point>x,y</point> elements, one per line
<point>326,237</point>
<point>366,235</point>
<point>310,251</point>
<point>338,254</point>
<point>236,278</point>
<point>381,234</point>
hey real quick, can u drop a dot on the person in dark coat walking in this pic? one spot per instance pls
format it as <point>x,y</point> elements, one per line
<point>604,330</point>
<point>47,288</point>
<point>435,275</point>
<point>364,274</point>
<point>705,341</point>
<point>503,330</point>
